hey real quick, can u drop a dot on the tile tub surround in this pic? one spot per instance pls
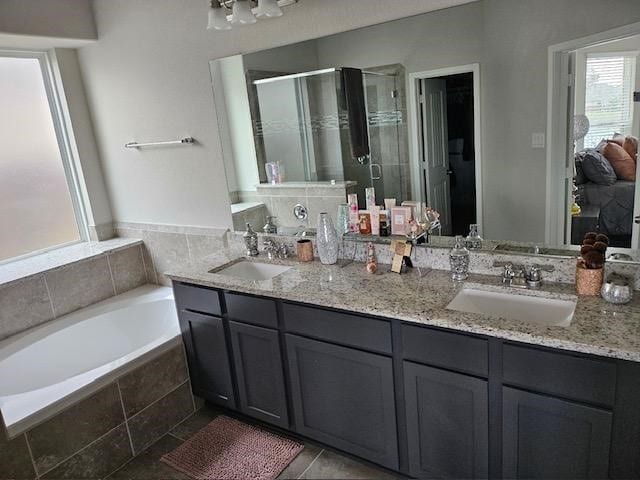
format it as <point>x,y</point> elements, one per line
<point>318,197</point>
<point>168,246</point>
<point>97,435</point>
<point>76,278</point>
<point>597,328</point>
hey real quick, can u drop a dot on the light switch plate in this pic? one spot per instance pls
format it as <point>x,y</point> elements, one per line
<point>538,140</point>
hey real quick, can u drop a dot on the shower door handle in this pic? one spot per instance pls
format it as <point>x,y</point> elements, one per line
<point>379,171</point>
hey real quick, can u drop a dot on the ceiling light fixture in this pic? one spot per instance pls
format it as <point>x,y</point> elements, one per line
<point>243,12</point>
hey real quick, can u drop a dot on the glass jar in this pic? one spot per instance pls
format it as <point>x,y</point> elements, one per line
<point>327,240</point>
<point>459,260</point>
<point>473,240</point>
<point>343,219</point>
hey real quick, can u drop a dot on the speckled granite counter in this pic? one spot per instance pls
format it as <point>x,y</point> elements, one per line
<point>598,327</point>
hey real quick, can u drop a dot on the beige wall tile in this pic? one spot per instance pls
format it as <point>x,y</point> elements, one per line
<point>203,245</point>
<point>127,268</point>
<point>15,461</point>
<point>167,250</point>
<point>65,434</point>
<point>159,418</point>
<point>23,305</point>
<point>153,380</point>
<point>80,285</point>
<point>98,460</point>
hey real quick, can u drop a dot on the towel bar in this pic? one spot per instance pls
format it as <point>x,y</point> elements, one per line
<point>182,141</point>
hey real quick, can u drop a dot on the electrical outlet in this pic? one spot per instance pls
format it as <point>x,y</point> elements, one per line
<point>537,140</point>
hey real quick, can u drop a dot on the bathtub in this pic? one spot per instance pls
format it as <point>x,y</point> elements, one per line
<point>46,369</point>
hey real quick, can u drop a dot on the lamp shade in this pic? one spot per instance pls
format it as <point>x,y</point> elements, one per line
<point>242,14</point>
<point>268,9</point>
<point>218,19</point>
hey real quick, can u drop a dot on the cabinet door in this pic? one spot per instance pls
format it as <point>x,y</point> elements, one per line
<point>208,357</point>
<point>447,423</point>
<point>256,355</point>
<point>344,398</point>
<point>544,437</point>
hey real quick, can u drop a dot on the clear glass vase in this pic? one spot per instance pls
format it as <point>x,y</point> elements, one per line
<point>327,240</point>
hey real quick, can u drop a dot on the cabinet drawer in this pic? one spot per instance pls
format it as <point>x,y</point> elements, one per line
<point>352,330</point>
<point>258,311</point>
<point>199,299</point>
<point>578,378</point>
<point>450,350</point>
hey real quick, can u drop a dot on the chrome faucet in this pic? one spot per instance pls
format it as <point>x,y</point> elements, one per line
<point>515,275</point>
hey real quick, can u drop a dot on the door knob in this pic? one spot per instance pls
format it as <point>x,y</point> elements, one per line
<point>449,172</point>
<point>637,219</point>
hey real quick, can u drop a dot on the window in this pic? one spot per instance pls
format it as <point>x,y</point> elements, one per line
<point>39,205</point>
<point>609,96</point>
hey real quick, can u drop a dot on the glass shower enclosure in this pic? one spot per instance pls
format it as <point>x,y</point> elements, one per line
<point>301,121</point>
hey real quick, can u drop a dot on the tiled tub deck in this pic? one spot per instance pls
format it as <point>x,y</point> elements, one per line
<point>97,435</point>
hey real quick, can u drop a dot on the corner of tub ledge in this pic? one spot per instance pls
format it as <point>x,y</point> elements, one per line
<point>60,257</point>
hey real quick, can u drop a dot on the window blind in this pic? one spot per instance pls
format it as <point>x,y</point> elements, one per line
<point>609,96</point>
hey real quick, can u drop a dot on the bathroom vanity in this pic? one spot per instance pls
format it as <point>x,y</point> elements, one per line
<point>415,388</point>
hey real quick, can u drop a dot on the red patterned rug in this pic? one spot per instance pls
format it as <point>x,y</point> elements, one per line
<point>230,449</point>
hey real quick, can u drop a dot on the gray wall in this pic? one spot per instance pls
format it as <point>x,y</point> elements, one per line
<point>148,79</point>
<point>70,19</point>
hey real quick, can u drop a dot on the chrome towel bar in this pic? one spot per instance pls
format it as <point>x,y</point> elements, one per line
<point>182,141</point>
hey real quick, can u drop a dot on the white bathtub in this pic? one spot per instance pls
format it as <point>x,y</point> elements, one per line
<point>48,368</point>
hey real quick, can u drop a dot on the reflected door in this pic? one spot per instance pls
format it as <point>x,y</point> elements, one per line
<point>388,170</point>
<point>435,150</point>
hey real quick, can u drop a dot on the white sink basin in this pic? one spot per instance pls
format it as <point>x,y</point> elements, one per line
<point>252,270</point>
<point>511,306</point>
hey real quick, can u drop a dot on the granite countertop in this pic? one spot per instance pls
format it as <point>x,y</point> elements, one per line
<point>597,328</point>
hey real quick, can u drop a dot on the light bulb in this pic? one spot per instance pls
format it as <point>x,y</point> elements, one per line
<point>218,19</point>
<point>268,9</point>
<point>242,14</point>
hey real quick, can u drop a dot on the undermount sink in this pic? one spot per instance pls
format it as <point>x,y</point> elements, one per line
<point>551,312</point>
<point>252,270</point>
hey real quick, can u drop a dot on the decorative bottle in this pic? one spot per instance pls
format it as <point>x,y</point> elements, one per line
<point>473,240</point>
<point>250,241</point>
<point>327,240</point>
<point>372,263</point>
<point>459,260</point>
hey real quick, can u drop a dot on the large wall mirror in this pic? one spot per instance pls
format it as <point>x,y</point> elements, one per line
<point>520,117</point>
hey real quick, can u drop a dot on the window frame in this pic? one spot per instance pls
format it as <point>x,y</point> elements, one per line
<point>70,163</point>
<point>635,54</point>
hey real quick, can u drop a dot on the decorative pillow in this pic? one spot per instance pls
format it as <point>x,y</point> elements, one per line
<point>598,169</point>
<point>601,145</point>
<point>579,177</point>
<point>621,161</point>
<point>618,138</point>
<point>630,146</point>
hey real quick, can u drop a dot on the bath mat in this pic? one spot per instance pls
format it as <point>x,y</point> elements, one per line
<point>230,449</point>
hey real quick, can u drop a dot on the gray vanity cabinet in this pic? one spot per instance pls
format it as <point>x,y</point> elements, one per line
<point>208,357</point>
<point>345,398</point>
<point>544,437</point>
<point>447,423</point>
<point>258,366</point>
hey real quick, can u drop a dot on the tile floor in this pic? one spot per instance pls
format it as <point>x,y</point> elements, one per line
<point>312,463</point>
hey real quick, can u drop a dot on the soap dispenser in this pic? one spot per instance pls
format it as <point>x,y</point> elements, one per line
<point>459,260</point>
<point>270,227</point>
<point>251,241</point>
